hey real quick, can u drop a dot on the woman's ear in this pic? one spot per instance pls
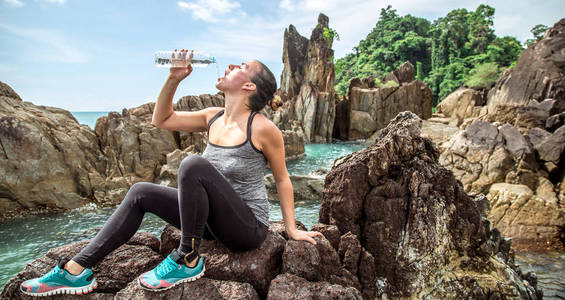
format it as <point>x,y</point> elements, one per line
<point>249,86</point>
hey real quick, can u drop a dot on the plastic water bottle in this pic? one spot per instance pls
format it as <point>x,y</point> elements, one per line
<point>177,59</point>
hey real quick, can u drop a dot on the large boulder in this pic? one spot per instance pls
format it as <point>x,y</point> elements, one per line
<point>373,108</point>
<point>47,159</point>
<point>503,164</point>
<point>414,218</point>
<point>538,74</point>
<point>460,105</point>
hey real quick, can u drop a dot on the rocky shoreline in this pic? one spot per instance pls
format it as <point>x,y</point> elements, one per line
<point>364,253</point>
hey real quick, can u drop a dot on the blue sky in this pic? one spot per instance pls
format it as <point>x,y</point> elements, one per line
<point>98,55</point>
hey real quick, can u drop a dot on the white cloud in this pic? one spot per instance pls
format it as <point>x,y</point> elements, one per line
<point>211,10</point>
<point>287,4</point>
<point>53,45</point>
<point>14,3</point>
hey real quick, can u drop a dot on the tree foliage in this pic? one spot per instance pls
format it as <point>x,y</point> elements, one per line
<point>444,51</point>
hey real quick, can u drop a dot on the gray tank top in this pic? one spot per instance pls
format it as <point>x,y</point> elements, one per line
<point>244,167</point>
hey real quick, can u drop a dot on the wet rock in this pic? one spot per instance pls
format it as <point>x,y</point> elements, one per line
<point>289,286</point>
<point>203,288</point>
<point>414,218</point>
<point>131,259</point>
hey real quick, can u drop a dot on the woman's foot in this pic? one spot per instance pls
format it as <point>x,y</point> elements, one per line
<point>170,272</point>
<point>59,281</point>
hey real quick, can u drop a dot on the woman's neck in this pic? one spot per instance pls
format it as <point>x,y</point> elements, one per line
<point>235,109</point>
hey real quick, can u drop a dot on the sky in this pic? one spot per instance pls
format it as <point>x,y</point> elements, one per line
<point>98,55</point>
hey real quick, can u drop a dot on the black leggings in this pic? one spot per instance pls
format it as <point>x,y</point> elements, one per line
<point>204,206</point>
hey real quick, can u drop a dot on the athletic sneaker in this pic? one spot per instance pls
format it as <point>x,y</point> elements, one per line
<point>60,281</point>
<point>169,273</point>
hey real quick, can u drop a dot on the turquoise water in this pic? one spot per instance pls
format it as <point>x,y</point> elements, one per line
<point>88,117</point>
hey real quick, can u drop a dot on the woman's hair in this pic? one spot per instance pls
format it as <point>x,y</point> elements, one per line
<point>266,85</point>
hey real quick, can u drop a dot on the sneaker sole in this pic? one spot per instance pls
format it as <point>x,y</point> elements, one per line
<point>67,290</point>
<point>193,278</point>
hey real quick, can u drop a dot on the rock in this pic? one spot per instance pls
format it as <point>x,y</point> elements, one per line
<point>341,122</point>
<point>383,104</point>
<point>48,160</point>
<point>278,227</point>
<point>439,133</point>
<point>257,267</point>
<point>203,288</point>
<point>483,155</point>
<point>330,232</point>
<point>169,171</point>
<point>495,161</point>
<point>538,73</point>
<point>533,220</point>
<point>305,188</point>
<point>293,144</point>
<point>460,105</point>
<point>362,123</point>
<point>8,92</point>
<point>295,49</point>
<point>316,111</point>
<point>555,121</point>
<point>307,81</point>
<point>415,220</point>
<point>130,259</point>
<point>302,259</point>
<point>349,252</point>
<point>289,286</point>
<point>551,148</point>
<point>404,74</point>
<point>523,118</point>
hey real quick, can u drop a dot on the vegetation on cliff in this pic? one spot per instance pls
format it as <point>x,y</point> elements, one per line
<point>447,52</point>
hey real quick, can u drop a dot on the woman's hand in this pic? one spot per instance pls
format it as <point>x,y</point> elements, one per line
<point>180,73</point>
<point>301,235</point>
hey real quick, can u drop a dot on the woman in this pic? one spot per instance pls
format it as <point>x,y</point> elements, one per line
<point>221,194</point>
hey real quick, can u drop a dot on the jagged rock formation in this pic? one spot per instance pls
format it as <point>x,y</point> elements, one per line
<point>412,217</point>
<point>307,82</point>
<point>538,74</point>
<point>47,159</point>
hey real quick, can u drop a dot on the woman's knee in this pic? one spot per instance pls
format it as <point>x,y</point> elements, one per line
<point>137,192</point>
<point>192,164</point>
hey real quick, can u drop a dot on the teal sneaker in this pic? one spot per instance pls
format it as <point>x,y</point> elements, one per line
<point>59,281</point>
<point>169,273</point>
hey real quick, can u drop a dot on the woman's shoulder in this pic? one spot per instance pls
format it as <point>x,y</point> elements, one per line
<point>263,125</point>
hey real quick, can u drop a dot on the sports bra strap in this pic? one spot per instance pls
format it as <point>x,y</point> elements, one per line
<point>221,112</point>
<point>217,115</point>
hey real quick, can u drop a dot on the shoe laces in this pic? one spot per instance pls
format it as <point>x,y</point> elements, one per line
<point>51,274</point>
<point>164,268</point>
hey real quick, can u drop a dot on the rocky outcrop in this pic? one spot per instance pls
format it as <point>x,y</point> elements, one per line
<point>307,83</point>
<point>538,74</point>
<point>395,204</point>
<point>503,164</point>
<point>47,159</point>
<point>373,108</point>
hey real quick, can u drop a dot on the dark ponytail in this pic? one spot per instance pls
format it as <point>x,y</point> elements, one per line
<point>266,85</point>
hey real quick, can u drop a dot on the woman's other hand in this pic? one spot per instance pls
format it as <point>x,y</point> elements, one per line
<point>180,73</point>
<point>301,235</point>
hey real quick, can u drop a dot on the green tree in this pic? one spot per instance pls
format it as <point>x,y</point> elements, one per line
<point>537,31</point>
<point>483,76</point>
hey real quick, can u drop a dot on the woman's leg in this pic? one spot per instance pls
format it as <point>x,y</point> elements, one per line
<point>205,196</point>
<point>142,197</point>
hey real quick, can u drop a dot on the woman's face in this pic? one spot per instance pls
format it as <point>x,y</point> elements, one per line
<point>237,76</point>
